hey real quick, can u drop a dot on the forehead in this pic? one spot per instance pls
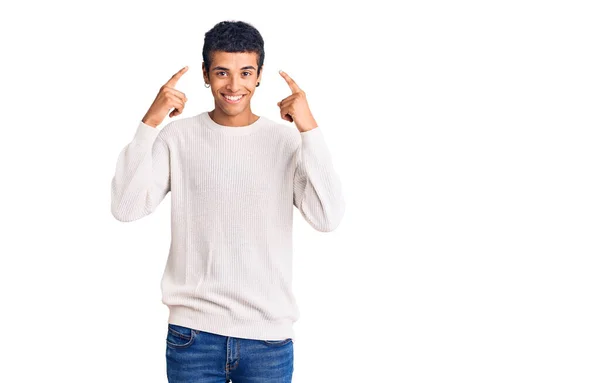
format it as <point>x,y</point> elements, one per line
<point>234,60</point>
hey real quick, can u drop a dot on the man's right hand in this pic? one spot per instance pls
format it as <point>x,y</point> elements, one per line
<point>168,97</point>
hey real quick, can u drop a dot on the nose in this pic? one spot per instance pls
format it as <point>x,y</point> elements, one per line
<point>233,84</point>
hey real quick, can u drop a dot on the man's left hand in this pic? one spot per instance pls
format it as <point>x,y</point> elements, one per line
<point>295,108</point>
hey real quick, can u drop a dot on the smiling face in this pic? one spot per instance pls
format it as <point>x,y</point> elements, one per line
<point>232,78</point>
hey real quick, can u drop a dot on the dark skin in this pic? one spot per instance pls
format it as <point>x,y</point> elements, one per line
<point>236,73</point>
<point>232,74</point>
<point>226,80</point>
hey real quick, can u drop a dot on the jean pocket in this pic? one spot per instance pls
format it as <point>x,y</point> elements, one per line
<point>276,343</point>
<point>180,336</point>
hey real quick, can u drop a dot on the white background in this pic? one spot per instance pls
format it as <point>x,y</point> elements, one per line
<point>466,136</point>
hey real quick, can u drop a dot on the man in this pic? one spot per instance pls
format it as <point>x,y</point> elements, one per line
<point>234,178</point>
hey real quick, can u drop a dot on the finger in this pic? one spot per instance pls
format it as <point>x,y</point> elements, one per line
<point>178,105</point>
<point>284,113</point>
<point>286,101</point>
<point>293,86</point>
<point>175,112</point>
<point>176,93</point>
<point>173,80</point>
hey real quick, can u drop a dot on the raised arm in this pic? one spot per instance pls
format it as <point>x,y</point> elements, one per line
<point>317,186</point>
<point>143,177</point>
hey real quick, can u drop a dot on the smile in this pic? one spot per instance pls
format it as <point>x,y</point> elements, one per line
<point>232,99</point>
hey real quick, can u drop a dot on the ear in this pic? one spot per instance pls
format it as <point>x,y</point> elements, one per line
<point>262,70</point>
<point>204,73</point>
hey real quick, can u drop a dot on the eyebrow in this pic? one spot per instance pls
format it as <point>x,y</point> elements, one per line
<point>223,68</point>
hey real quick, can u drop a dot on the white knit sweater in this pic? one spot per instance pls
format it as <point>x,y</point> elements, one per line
<point>229,269</point>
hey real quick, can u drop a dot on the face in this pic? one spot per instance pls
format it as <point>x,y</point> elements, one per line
<point>232,74</point>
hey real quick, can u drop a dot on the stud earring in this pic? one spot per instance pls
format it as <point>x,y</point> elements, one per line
<point>258,83</point>
<point>206,85</point>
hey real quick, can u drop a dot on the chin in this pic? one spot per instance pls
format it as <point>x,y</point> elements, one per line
<point>228,110</point>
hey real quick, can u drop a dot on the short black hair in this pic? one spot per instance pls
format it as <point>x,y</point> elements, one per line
<point>233,36</point>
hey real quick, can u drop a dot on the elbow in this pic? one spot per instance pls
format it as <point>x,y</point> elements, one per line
<point>326,228</point>
<point>125,215</point>
<point>116,212</point>
<point>331,224</point>
<point>130,208</point>
<point>332,220</point>
<point>120,216</point>
<point>333,214</point>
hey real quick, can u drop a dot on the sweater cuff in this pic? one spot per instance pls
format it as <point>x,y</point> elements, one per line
<point>314,138</point>
<point>145,133</point>
<point>313,131</point>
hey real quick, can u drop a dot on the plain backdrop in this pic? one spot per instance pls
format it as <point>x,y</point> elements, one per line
<point>466,136</point>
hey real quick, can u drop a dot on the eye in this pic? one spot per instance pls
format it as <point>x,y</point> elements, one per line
<point>249,73</point>
<point>218,73</point>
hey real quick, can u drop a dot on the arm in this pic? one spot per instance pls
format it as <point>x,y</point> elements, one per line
<point>317,187</point>
<point>142,177</point>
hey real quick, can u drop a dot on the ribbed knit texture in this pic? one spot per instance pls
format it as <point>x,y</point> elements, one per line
<point>233,189</point>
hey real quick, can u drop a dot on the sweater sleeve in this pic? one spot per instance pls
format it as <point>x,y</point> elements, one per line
<point>142,176</point>
<point>317,187</point>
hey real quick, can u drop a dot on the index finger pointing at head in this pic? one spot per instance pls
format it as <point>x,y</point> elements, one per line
<point>293,86</point>
<point>173,80</point>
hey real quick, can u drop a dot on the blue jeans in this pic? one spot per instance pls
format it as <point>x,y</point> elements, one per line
<point>195,356</point>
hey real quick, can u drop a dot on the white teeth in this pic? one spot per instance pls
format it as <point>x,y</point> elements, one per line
<point>232,98</point>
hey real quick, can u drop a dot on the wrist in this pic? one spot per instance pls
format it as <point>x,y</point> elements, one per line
<point>149,122</point>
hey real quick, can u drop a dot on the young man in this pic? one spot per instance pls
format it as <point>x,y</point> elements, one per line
<point>234,178</point>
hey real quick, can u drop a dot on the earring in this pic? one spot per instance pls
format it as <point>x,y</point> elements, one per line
<point>206,85</point>
<point>258,83</point>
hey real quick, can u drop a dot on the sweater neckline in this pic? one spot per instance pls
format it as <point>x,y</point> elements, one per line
<point>232,130</point>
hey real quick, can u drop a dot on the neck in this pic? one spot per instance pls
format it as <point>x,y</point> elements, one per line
<point>244,118</point>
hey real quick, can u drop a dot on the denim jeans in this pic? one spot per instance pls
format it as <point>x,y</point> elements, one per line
<point>195,356</point>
